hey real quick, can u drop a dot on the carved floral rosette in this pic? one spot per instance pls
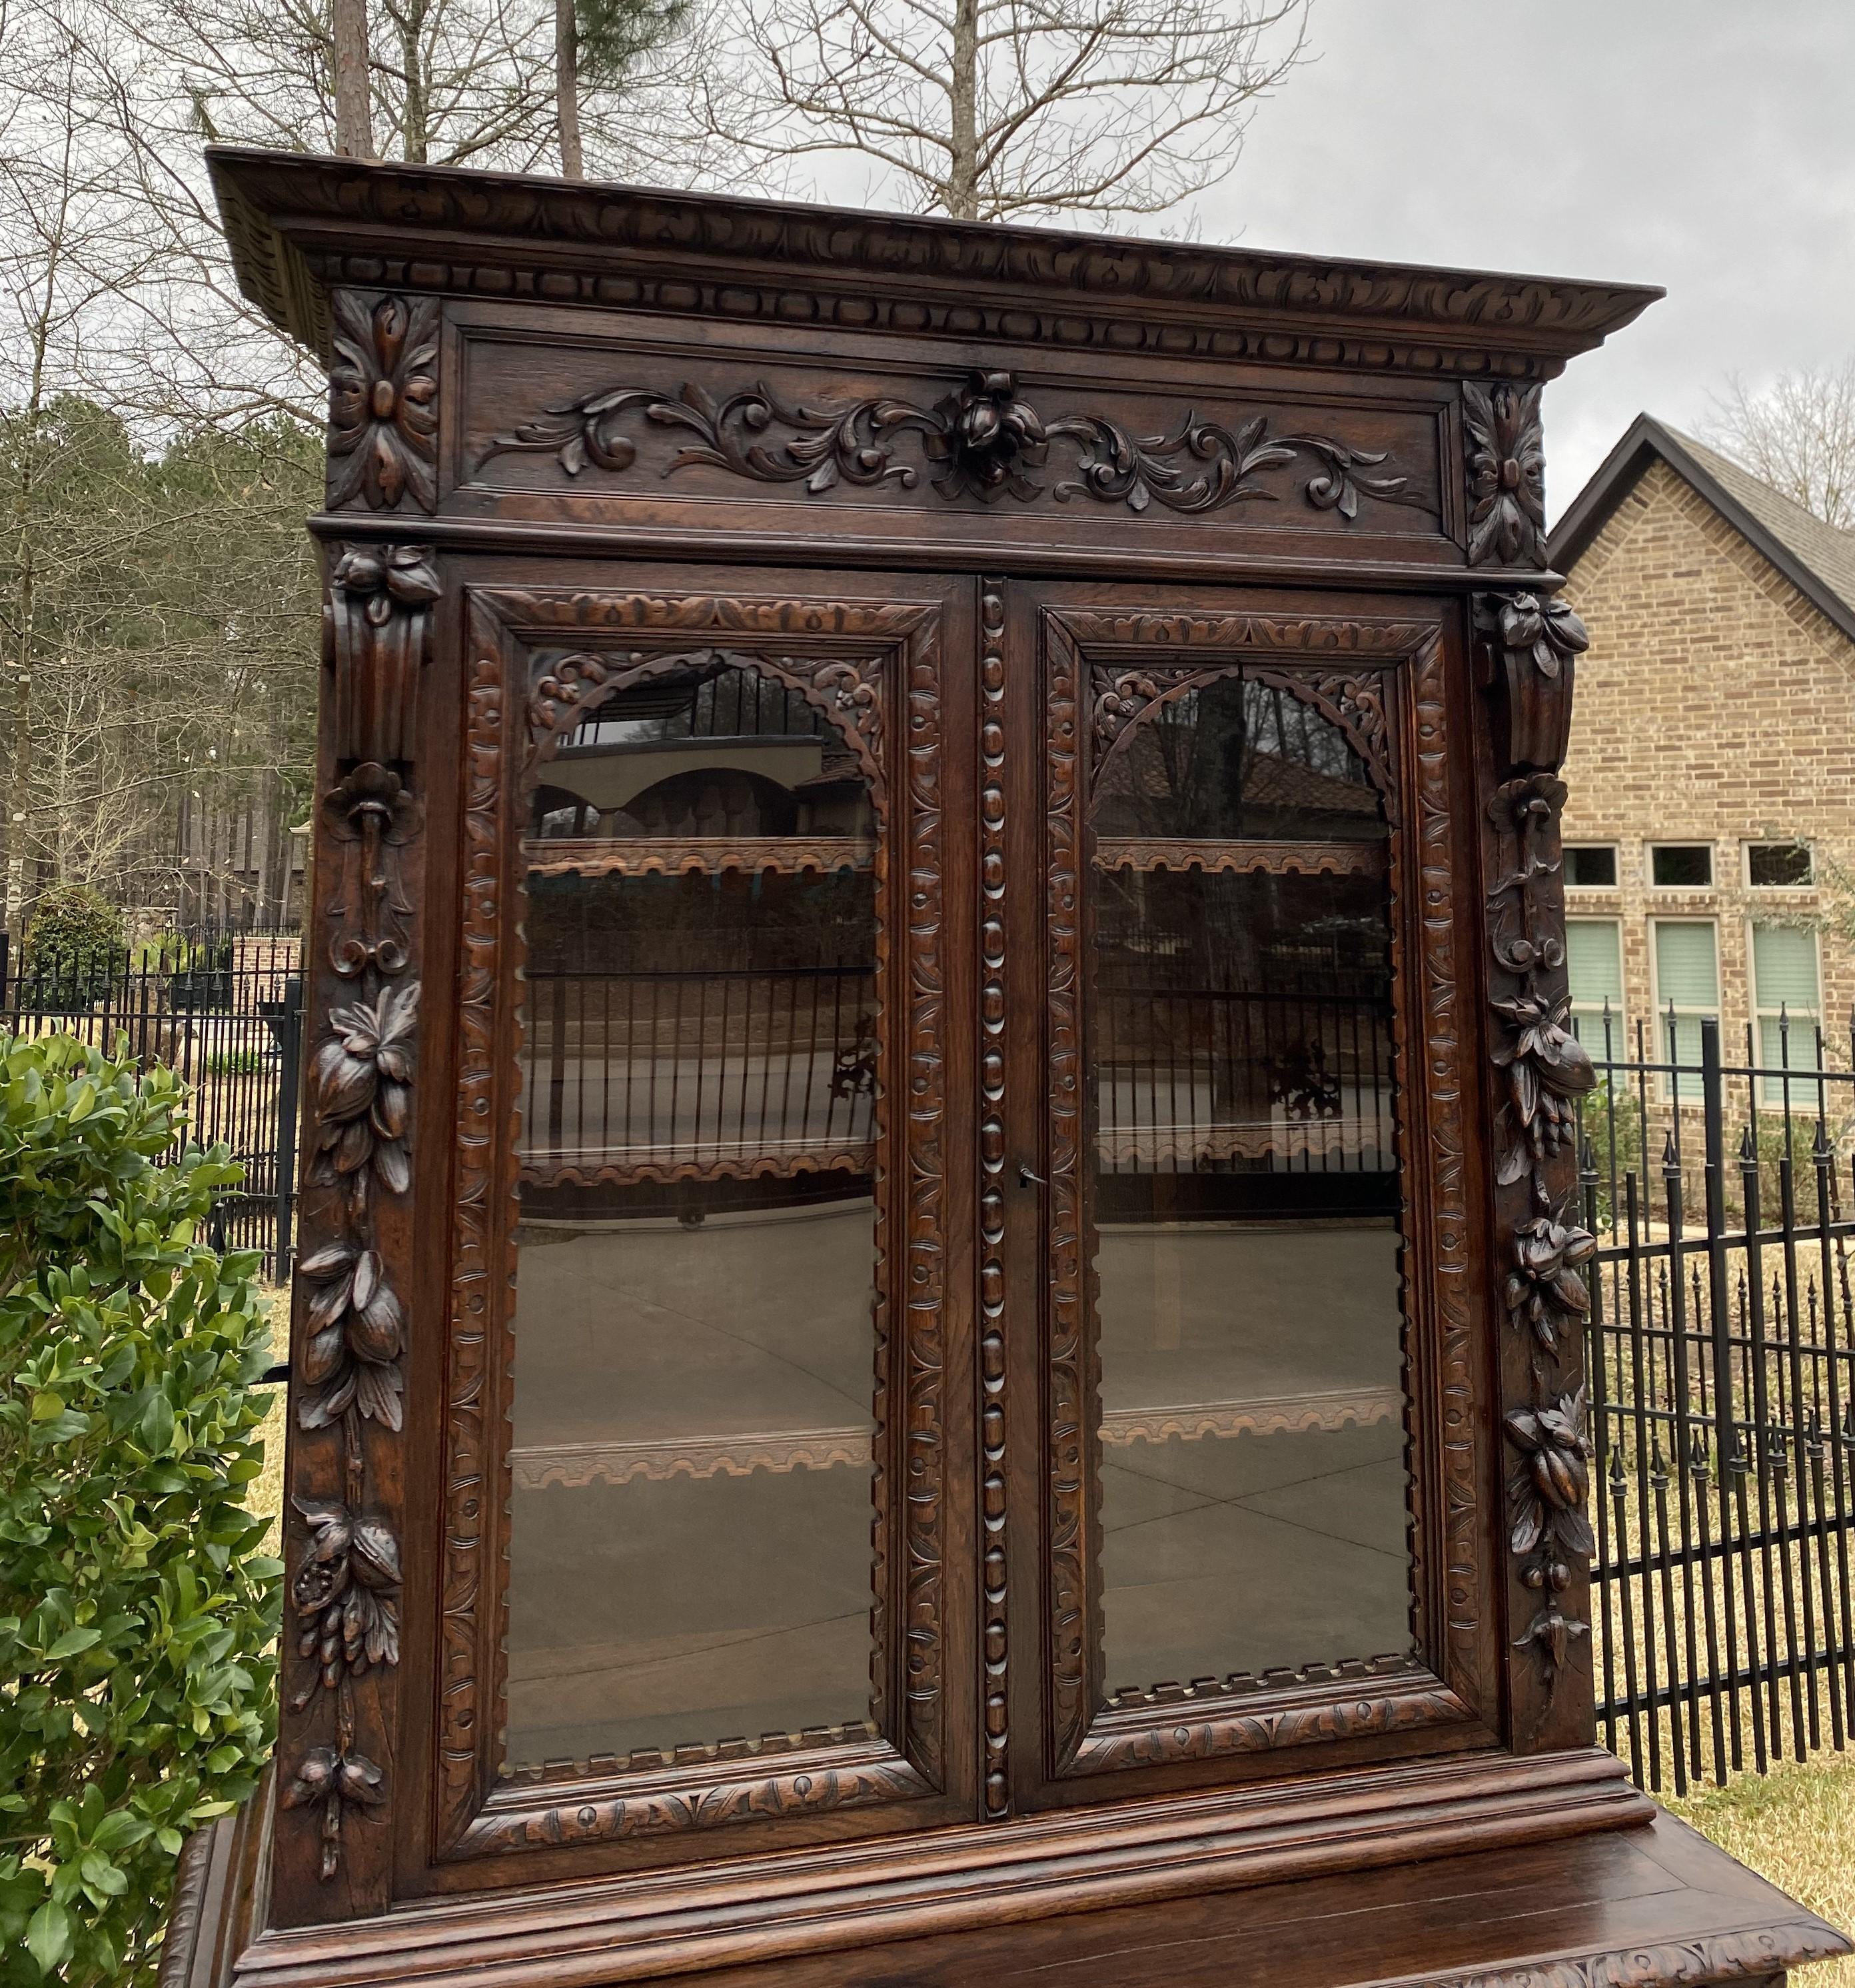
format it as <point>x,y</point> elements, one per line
<point>1528,642</point>
<point>350,1317</point>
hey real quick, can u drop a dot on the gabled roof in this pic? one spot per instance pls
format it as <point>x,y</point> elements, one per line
<point>1816,558</point>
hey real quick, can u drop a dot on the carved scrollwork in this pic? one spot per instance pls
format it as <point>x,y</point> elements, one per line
<point>983,437</point>
<point>1506,467</point>
<point>383,402</point>
<point>370,815</point>
<point>379,625</point>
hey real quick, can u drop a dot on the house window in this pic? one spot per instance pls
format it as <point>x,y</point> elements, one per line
<point>1779,865</point>
<point>1784,990</point>
<point>1594,954</point>
<point>1682,866</point>
<point>1687,952</point>
<point>1591,865</point>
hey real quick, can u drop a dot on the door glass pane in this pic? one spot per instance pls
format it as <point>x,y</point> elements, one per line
<point>691,1560</point>
<point>1254,1490</point>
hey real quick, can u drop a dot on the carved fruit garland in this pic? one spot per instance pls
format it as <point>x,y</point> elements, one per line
<point>982,439</point>
<point>351,1338</point>
<point>1546,1070</point>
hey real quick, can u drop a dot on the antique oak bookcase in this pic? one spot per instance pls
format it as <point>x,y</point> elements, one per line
<point>939,1329</point>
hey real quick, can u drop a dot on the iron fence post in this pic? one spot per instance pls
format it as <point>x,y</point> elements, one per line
<point>1713,1110</point>
<point>289,1076</point>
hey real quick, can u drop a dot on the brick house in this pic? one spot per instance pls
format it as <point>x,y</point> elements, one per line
<point>1710,826</point>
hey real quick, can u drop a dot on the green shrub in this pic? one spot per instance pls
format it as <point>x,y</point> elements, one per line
<point>138,1620</point>
<point>73,941</point>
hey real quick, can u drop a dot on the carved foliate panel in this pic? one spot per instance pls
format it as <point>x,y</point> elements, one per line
<point>540,662</point>
<point>1529,642</point>
<point>351,1329</point>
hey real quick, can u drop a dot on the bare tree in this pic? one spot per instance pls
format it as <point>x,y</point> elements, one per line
<point>993,110</point>
<point>1797,435</point>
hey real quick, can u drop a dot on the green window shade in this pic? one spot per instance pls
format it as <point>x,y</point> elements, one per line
<point>1687,967</point>
<point>1784,968</point>
<point>1687,973</point>
<point>1784,975</point>
<point>1593,955</point>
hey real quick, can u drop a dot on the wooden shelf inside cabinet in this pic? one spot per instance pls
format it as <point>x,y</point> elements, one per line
<point>1181,853</point>
<point>695,855</point>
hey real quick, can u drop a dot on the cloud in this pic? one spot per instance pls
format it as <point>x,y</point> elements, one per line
<point>1701,145</point>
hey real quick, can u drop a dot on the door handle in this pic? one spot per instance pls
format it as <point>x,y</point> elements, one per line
<point>1027,1178</point>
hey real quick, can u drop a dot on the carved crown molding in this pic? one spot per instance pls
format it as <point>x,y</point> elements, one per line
<point>297,224</point>
<point>982,439</point>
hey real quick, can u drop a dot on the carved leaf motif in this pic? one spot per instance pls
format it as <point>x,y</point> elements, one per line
<point>330,1780</point>
<point>383,402</point>
<point>346,1591</point>
<point>986,440</point>
<point>360,1080</point>
<point>1506,475</point>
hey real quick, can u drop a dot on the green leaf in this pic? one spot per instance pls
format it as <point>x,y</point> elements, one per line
<point>48,1936</point>
<point>74,1642</point>
<point>46,1405</point>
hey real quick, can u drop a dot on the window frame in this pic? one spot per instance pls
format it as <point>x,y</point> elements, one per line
<point>1746,847</point>
<point>1615,882</point>
<point>1650,850</point>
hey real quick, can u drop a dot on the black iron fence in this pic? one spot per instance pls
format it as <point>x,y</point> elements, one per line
<point>224,1011</point>
<point>1722,1332</point>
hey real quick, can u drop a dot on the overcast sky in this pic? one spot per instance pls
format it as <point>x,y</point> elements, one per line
<point>1705,145</point>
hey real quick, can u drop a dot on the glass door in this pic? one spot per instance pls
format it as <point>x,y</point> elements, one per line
<point>727,1481</point>
<point>1240,1334</point>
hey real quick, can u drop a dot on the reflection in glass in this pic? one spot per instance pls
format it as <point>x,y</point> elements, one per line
<point>690,1567</point>
<point>1244,1197</point>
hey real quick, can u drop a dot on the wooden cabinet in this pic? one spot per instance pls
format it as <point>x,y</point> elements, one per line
<point>938,1326</point>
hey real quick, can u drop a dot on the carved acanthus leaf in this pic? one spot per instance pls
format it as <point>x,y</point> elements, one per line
<point>383,402</point>
<point>983,437</point>
<point>1506,469</point>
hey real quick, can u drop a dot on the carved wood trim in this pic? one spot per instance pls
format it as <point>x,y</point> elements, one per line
<point>694,856</point>
<point>995,1322</point>
<point>857,656</point>
<point>1758,1953</point>
<point>1113,1744</point>
<point>384,401</point>
<point>540,1171</point>
<point>768,263</point>
<point>982,439</point>
<point>1505,462</point>
<point>1446,1134</point>
<point>342,1536</point>
<point>1252,859</point>
<point>1123,691</point>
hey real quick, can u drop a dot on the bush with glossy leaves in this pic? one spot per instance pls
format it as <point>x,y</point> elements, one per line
<point>138,1610</point>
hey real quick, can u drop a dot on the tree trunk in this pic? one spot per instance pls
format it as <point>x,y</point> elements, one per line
<point>963,166</point>
<point>417,124</point>
<point>566,90</point>
<point>353,106</point>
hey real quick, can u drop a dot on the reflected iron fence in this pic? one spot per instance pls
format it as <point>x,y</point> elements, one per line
<point>224,1011</point>
<point>1721,1334</point>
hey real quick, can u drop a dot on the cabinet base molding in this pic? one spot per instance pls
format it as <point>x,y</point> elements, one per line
<point>846,1915</point>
